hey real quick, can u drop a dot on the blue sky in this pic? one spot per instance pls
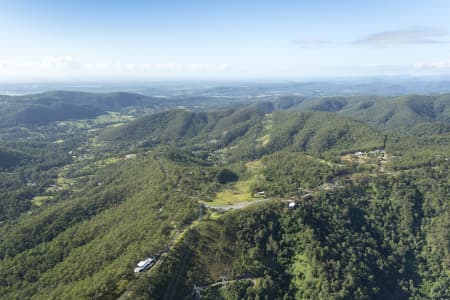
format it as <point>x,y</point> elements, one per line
<point>47,40</point>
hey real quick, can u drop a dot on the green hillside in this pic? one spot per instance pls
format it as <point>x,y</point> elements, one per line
<point>104,101</point>
<point>390,113</point>
<point>39,114</point>
<point>254,129</point>
<point>209,194</point>
<point>319,132</point>
<point>382,112</point>
<point>352,244</point>
<point>68,105</point>
<point>125,212</point>
<point>198,130</point>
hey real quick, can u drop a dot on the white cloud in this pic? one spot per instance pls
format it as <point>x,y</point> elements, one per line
<point>65,63</point>
<point>436,65</point>
<point>408,36</point>
<point>68,66</point>
<point>439,67</point>
<point>165,67</point>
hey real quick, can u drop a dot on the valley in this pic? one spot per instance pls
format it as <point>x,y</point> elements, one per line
<point>207,192</point>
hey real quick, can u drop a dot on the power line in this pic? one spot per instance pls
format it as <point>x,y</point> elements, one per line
<point>197,292</point>
<point>224,280</point>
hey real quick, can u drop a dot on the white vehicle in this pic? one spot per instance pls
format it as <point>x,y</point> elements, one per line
<point>144,265</point>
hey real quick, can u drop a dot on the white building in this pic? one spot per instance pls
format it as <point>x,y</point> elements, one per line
<point>144,265</point>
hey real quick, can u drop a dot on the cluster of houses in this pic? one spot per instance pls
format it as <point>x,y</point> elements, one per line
<point>377,152</point>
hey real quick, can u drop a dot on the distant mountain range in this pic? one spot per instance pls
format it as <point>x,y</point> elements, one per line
<point>410,112</point>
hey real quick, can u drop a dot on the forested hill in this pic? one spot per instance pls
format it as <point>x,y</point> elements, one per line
<point>39,114</point>
<point>11,158</point>
<point>373,237</point>
<point>104,101</point>
<point>383,112</point>
<point>254,128</point>
<point>183,127</point>
<point>406,112</point>
<point>44,108</point>
<point>48,107</point>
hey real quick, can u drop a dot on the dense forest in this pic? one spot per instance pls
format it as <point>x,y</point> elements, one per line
<point>383,240</point>
<point>292,197</point>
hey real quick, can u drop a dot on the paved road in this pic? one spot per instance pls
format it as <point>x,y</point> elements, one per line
<point>238,205</point>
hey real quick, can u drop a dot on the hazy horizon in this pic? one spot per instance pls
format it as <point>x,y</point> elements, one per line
<point>140,40</point>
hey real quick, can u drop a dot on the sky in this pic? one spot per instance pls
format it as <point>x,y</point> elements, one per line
<point>144,40</point>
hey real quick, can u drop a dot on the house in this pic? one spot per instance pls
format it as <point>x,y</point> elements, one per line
<point>144,265</point>
<point>292,205</point>
<point>130,156</point>
<point>261,194</point>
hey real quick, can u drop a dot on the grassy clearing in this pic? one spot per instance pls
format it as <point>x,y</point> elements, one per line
<point>264,140</point>
<point>113,117</point>
<point>92,167</point>
<point>240,191</point>
<point>107,161</point>
<point>102,121</point>
<point>254,166</point>
<point>79,124</point>
<point>62,180</point>
<point>64,183</point>
<point>39,200</point>
<point>215,216</point>
<point>267,122</point>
